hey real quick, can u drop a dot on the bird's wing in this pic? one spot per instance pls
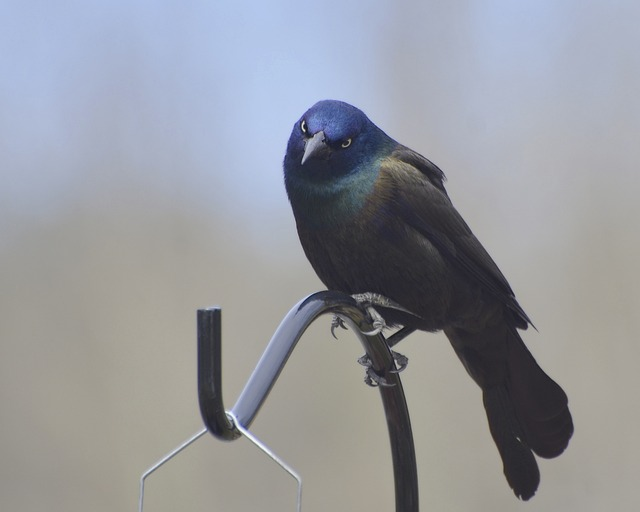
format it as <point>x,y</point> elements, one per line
<point>421,200</point>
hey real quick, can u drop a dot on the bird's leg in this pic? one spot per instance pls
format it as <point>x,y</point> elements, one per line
<point>368,300</point>
<point>377,321</point>
<point>399,335</point>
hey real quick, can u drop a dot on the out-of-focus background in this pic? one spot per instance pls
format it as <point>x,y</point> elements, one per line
<point>140,150</point>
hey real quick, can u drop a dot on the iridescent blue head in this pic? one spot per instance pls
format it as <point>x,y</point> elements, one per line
<point>332,140</point>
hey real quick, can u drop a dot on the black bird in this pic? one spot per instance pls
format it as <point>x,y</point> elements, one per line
<point>373,216</point>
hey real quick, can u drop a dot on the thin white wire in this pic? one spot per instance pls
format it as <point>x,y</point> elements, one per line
<point>245,433</point>
<point>272,455</point>
<point>164,459</point>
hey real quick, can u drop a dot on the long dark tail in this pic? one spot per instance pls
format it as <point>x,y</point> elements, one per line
<point>526,409</point>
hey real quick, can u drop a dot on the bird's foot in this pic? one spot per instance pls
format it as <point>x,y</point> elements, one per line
<point>377,299</point>
<point>377,322</point>
<point>368,300</point>
<point>337,322</point>
<point>373,379</point>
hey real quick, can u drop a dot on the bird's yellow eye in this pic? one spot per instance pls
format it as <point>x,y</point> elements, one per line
<point>346,143</point>
<point>303,126</point>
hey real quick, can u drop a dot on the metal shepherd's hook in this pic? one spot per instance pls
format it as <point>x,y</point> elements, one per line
<point>230,425</point>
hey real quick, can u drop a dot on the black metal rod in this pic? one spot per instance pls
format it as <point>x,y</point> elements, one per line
<point>210,375</point>
<point>275,357</point>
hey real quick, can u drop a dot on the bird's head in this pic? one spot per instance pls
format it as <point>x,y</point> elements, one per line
<point>331,140</point>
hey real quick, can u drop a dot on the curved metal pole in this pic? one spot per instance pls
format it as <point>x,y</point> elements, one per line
<point>275,357</point>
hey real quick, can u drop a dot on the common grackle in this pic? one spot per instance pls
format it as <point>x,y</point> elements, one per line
<point>373,216</point>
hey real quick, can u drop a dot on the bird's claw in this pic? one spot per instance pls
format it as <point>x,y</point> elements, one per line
<point>337,322</point>
<point>368,300</point>
<point>377,322</point>
<point>401,362</point>
<point>373,379</point>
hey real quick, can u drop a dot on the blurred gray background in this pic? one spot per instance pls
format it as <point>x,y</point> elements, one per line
<point>140,149</point>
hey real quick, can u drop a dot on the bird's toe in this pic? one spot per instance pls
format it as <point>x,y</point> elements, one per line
<point>337,322</point>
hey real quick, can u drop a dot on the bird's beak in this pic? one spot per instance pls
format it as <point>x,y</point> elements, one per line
<point>315,147</point>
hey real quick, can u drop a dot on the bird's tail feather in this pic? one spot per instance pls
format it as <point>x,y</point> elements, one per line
<point>527,411</point>
<point>540,403</point>
<point>519,464</point>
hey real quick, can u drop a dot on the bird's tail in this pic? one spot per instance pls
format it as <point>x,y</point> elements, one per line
<point>526,409</point>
